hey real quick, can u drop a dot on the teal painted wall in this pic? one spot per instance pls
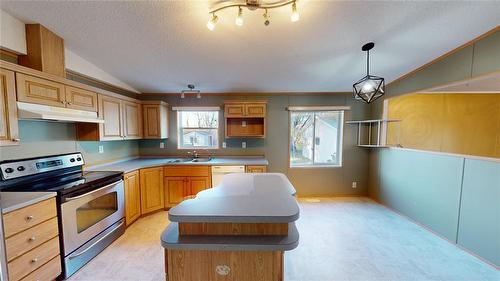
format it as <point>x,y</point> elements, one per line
<point>316,181</point>
<point>479,227</point>
<point>47,138</point>
<point>428,187</point>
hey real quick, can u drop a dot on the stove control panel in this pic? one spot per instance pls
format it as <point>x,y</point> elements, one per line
<point>32,166</point>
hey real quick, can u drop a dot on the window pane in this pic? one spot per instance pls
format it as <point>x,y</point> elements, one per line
<point>199,138</point>
<point>301,138</point>
<point>327,138</point>
<point>198,119</point>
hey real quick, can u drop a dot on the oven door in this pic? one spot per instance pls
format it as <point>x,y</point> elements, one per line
<point>85,216</point>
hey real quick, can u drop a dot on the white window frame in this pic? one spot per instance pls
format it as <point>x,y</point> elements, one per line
<point>314,109</point>
<point>196,109</point>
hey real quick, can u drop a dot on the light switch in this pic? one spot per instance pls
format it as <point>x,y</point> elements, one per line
<point>162,144</point>
<point>101,148</point>
<point>243,144</point>
<point>243,124</point>
<point>354,184</point>
<point>223,144</point>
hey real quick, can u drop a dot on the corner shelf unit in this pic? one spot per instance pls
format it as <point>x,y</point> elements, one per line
<point>381,128</point>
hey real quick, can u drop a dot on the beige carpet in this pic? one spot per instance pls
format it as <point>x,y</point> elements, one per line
<point>342,239</point>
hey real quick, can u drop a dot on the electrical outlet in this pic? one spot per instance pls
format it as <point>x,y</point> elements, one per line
<point>243,124</point>
<point>354,184</point>
<point>101,148</point>
<point>223,144</point>
<point>162,144</point>
<point>243,144</point>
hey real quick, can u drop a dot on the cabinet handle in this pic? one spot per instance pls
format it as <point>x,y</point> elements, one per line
<point>16,140</point>
<point>63,102</point>
<point>32,239</point>
<point>69,103</point>
<point>29,218</point>
<point>34,260</point>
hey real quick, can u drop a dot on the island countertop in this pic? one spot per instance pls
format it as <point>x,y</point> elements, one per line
<point>242,198</point>
<point>129,165</point>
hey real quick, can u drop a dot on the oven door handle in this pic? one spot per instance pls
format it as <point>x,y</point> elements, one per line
<point>96,242</point>
<point>93,191</point>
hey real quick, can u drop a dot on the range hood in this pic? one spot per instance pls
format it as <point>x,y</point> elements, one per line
<point>30,111</point>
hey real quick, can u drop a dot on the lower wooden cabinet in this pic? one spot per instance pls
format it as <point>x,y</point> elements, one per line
<point>152,192</point>
<point>132,197</point>
<point>256,169</point>
<point>178,188</point>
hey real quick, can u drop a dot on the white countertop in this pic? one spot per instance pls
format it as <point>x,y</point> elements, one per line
<point>11,201</point>
<point>130,165</point>
<point>242,198</point>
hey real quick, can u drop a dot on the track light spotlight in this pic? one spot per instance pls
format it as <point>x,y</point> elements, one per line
<point>266,17</point>
<point>211,23</point>
<point>239,18</point>
<point>295,14</point>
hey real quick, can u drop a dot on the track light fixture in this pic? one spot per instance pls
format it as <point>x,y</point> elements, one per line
<point>191,90</point>
<point>254,5</point>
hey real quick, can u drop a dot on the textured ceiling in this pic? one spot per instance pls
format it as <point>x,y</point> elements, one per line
<point>162,46</point>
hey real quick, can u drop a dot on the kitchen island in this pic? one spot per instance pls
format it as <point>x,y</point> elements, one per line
<point>238,230</point>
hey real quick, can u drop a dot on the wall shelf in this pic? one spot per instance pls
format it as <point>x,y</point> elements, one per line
<point>380,125</point>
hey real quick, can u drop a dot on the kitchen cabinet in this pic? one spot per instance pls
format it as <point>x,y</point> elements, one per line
<point>32,242</point>
<point>256,169</point>
<point>245,119</point>
<point>183,181</point>
<point>40,91</point>
<point>80,99</point>
<point>152,191</point>
<point>132,197</point>
<point>155,119</point>
<point>122,121</point>
<point>9,131</point>
<point>132,120</point>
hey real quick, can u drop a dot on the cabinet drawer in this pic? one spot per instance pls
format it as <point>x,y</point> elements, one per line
<point>23,242</point>
<point>33,259</point>
<point>255,110</point>
<point>187,171</point>
<point>22,219</point>
<point>234,110</point>
<point>40,91</point>
<point>256,169</point>
<point>81,99</point>
<point>48,271</point>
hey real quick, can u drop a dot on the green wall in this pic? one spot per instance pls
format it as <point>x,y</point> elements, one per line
<point>40,138</point>
<point>310,181</point>
<point>455,196</point>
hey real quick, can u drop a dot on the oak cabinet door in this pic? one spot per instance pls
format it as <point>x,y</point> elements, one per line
<point>234,110</point>
<point>132,120</point>
<point>151,189</point>
<point>175,190</point>
<point>132,197</point>
<point>110,110</point>
<point>255,110</point>
<point>155,121</point>
<point>9,132</point>
<point>81,99</point>
<point>197,184</point>
<point>40,91</point>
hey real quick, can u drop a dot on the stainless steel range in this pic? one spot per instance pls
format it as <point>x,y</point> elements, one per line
<point>90,204</point>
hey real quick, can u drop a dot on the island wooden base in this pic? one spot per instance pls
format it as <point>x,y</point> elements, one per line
<point>197,265</point>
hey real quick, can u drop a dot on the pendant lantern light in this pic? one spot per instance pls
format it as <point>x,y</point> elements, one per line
<point>370,87</point>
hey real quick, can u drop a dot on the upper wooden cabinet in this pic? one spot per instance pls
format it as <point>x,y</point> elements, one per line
<point>40,91</point>
<point>81,99</point>
<point>37,90</point>
<point>151,189</point>
<point>155,119</point>
<point>122,121</point>
<point>245,119</point>
<point>132,197</point>
<point>240,109</point>
<point>9,133</point>
<point>132,120</point>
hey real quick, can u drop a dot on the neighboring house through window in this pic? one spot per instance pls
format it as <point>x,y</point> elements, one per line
<point>316,137</point>
<point>197,128</point>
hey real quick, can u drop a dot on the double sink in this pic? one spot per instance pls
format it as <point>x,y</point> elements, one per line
<point>193,160</point>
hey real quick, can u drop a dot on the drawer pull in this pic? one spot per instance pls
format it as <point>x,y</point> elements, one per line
<point>31,239</point>
<point>29,218</point>
<point>34,260</point>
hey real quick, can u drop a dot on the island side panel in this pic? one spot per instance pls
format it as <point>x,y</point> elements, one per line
<point>204,228</point>
<point>194,265</point>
